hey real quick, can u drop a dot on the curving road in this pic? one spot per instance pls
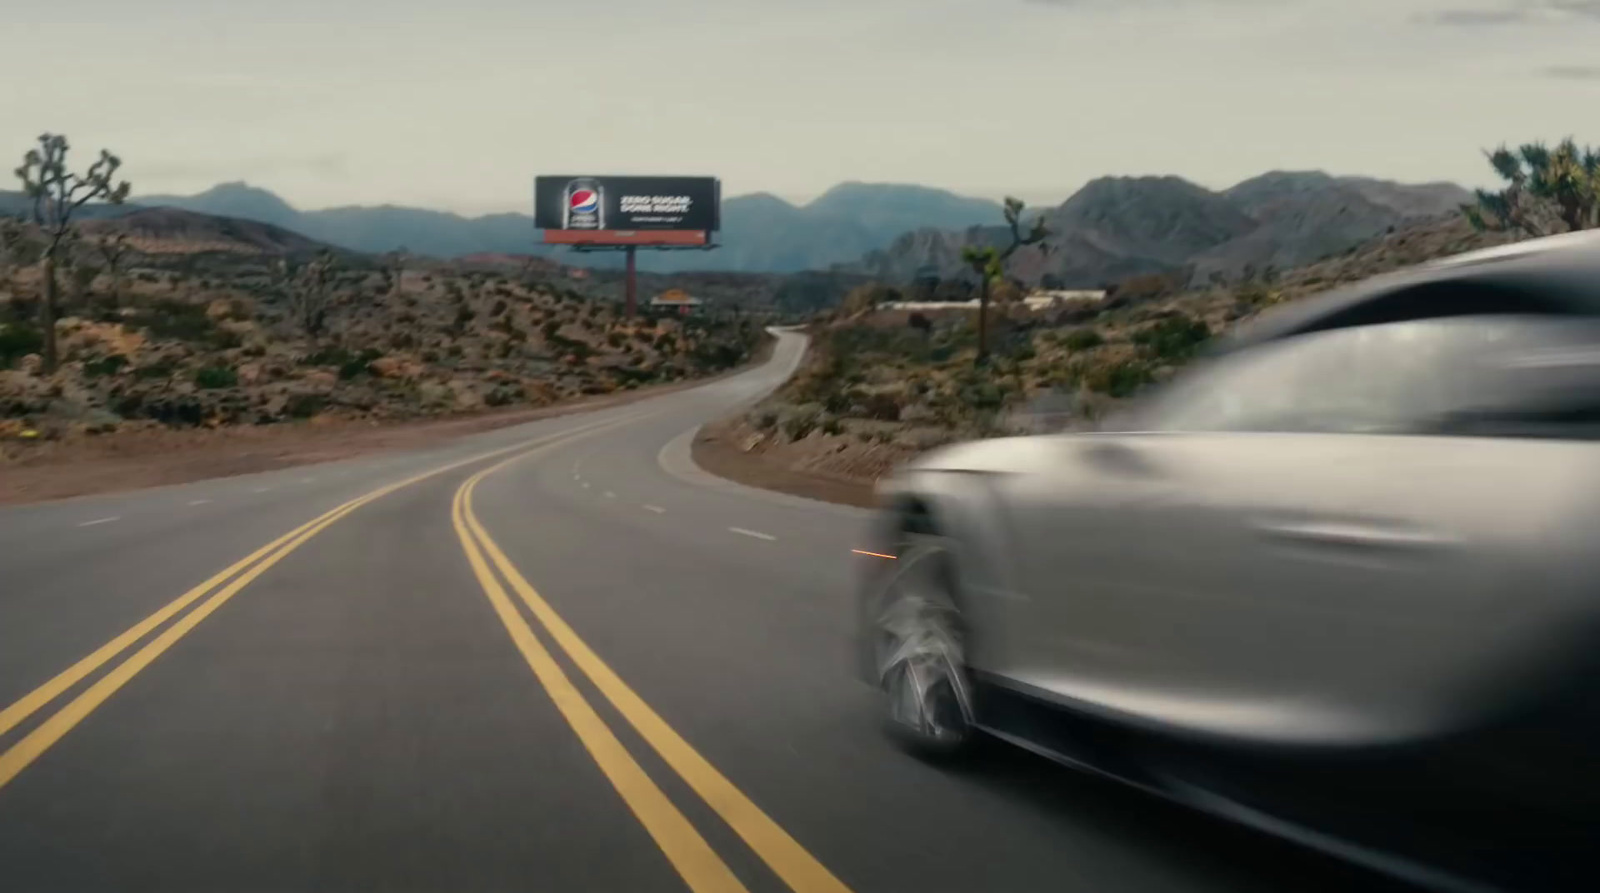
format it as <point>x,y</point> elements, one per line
<point>555,657</point>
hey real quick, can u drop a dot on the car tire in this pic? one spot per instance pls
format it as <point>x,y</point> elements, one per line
<point>917,641</point>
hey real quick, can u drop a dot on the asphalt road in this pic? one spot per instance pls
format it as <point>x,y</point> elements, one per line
<point>555,657</point>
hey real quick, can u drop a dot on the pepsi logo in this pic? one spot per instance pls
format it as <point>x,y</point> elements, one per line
<point>585,200</point>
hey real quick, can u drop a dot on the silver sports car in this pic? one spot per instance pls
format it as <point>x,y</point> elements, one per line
<point>1340,579</point>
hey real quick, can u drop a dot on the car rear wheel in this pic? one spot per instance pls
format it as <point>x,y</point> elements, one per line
<point>919,655</point>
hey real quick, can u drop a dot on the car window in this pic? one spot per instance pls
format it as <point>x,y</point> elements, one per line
<point>1471,375</point>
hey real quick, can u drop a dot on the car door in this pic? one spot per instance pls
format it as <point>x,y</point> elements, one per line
<point>1303,544</point>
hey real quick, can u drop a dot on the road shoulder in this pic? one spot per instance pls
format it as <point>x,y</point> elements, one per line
<point>717,449</point>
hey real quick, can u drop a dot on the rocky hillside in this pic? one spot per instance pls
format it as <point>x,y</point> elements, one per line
<point>199,333</point>
<point>1118,227</point>
<point>881,386</point>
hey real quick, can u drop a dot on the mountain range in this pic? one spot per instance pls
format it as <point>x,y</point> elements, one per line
<point>1112,228</point>
<point>761,232</point>
<point>1117,227</point>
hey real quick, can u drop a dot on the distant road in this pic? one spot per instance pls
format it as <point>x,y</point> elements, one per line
<point>555,657</point>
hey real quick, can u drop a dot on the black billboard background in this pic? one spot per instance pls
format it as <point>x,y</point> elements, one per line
<point>704,208</point>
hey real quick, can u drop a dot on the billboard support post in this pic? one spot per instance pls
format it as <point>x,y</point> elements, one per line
<point>633,282</point>
<point>625,213</point>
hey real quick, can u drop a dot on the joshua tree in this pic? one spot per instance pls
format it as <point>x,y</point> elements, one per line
<point>56,196</point>
<point>112,250</point>
<point>311,292</point>
<point>989,263</point>
<point>1548,190</point>
<point>396,262</point>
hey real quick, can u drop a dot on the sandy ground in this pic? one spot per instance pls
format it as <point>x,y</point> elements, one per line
<point>152,458</point>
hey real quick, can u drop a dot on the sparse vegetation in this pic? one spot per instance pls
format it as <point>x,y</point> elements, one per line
<point>55,195</point>
<point>185,338</point>
<point>213,377</point>
<point>1547,190</point>
<point>990,263</point>
<point>879,388</point>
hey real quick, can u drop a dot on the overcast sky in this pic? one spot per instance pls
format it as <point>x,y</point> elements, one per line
<point>459,104</point>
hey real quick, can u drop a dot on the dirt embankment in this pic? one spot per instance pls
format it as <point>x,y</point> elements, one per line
<point>727,449</point>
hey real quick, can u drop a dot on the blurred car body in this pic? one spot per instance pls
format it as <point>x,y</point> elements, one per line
<point>1338,579</point>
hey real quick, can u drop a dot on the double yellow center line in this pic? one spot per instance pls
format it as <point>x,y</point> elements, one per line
<point>688,852</point>
<point>20,755</point>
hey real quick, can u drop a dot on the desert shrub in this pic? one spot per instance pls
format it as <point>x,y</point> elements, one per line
<point>402,341</point>
<point>801,421</point>
<point>882,406</point>
<point>1173,339</point>
<point>17,340</point>
<point>764,420</point>
<point>177,320</point>
<point>836,400</point>
<point>498,308</point>
<point>108,365</point>
<point>550,329</point>
<point>983,395</point>
<point>1119,379</point>
<point>212,377</point>
<point>832,425</point>
<point>162,368</point>
<point>1082,339</point>
<point>304,406</point>
<point>357,364</point>
<point>502,395</point>
<point>176,412</point>
<point>615,339</point>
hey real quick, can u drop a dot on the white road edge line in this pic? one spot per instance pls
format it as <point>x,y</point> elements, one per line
<point>655,508</point>
<point>752,533</point>
<point>101,521</point>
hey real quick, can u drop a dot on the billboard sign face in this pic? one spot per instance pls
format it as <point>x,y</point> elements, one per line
<point>626,210</point>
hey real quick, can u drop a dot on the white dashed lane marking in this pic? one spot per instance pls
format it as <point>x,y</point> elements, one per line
<point>752,533</point>
<point>263,489</point>
<point>655,508</point>
<point>101,521</point>
<point>610,495</point>
<point>198,501</point>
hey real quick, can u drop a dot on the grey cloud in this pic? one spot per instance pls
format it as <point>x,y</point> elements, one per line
<point>327,165</point>
<point>1515,12</point>
<point>1478,17</point>
<point>1573,72</point>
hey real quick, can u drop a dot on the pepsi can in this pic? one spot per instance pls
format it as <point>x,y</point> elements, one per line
<point>584,205</point>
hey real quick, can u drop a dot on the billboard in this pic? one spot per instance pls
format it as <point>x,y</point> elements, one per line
<point>627,210</point>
